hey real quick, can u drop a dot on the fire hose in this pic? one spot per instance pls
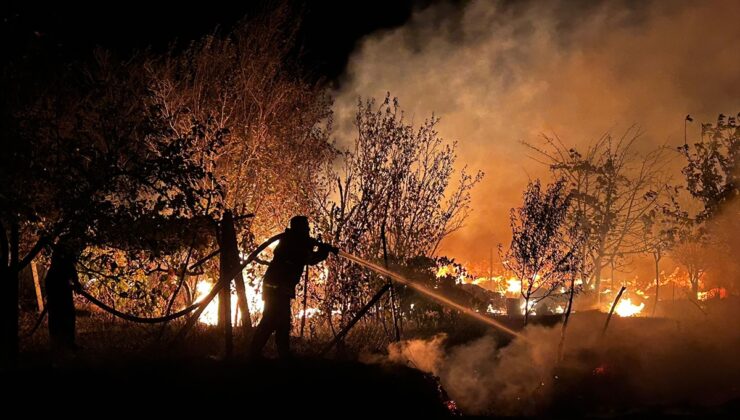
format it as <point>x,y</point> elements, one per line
<point>202,303</point>
<point>253,256</point>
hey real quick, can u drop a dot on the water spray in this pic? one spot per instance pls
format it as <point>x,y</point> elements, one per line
<point>429,293</point>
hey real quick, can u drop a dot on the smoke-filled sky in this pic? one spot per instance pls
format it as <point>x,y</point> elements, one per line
<point>501,73</point>
<point>496,72</point>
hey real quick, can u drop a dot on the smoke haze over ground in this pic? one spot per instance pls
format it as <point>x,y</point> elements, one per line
<point>642,365</point>
<point>499,73</point>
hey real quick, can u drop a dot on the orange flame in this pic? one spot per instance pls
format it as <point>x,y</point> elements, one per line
<point>626,308</point>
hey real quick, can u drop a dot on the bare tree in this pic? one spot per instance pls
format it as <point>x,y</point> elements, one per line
<point>543,253</point>
<point>276,121</point>
<point>396,183</point>
<point>612,188</point>
<point>663,227</point>
<point>691,253</point>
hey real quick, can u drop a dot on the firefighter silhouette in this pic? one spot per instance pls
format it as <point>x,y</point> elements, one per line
<point>295,250</point>
<point>60,282</point>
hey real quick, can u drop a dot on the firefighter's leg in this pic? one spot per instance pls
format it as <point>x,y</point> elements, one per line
<point>265,328</point>
<point>282,327</point>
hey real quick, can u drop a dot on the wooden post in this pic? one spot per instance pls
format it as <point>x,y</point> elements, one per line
<point>566,318</point>
<point>230,255</point>
<point>9,297</point>
<point>37,287</point>
<point>224,295</point>
<point>196,314</point>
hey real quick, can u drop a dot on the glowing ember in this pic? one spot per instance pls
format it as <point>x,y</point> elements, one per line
<point>453,408</point>
<point>515,286</point>
<point>443,271</point>
<point>716,293</point>
<point>600,370</point>
<point>626,308</point>
<point>495,311</point>
<point>453,270</point>
<point>642,294</point>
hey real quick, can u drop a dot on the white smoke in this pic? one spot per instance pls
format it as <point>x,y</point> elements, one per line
<point>641,364</point>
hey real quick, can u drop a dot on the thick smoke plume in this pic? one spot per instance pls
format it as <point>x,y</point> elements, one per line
<point>499,73</point>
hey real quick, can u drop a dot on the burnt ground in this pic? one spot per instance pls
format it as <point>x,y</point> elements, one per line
<point>310,388</point>
<point>128,369</point>
<point>121,371</point>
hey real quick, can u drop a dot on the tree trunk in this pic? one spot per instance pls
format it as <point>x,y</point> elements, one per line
<point>597,280</point>
<point>396,329</point>
<point>60,300</point>
<point>526,310</point>
<point>566,318</point>
<point>10,316</point>
<point>227,243</point>
<point>611,286</point>
<point>224,311</point>
<point>230,256</point>
<point>657,281</point>
<point>9,292</point>
<point>694,287</point>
